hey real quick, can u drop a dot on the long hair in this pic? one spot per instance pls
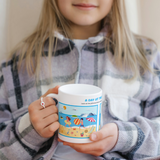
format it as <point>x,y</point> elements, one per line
<point>128,50</point>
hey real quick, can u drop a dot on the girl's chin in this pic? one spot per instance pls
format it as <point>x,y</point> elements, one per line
<point>85,23</point>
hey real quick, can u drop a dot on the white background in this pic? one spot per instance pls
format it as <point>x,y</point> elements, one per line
<point>18,19</point>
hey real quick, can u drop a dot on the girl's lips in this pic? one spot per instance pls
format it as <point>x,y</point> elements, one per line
<point>83,6</point>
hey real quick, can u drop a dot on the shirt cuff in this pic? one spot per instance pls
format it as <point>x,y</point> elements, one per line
<point>128,136</point>
<point>28,134</point>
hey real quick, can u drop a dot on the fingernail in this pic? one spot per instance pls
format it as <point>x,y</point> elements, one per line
<point>94,136</point>
<point>55,101</point>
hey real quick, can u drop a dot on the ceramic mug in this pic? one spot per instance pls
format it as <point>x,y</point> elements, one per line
<point>79,111</point>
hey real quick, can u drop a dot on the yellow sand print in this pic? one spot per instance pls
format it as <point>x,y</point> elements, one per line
<point>76,131</point>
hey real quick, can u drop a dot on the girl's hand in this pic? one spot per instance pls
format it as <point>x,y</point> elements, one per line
<point>103,141</point>
<point>45,120</point>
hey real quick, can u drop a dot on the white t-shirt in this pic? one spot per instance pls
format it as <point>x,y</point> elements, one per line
<point>65,152</point>
<point>79,43</point>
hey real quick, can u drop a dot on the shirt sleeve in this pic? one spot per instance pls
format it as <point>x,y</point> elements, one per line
<point>140,136</point>
<point>17,136</point>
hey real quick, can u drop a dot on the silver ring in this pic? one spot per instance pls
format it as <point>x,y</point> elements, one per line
<point>42,103</point>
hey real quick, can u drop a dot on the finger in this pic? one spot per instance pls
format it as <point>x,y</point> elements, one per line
<point>50,119</point>
<point>83,148</point>
<point>52,90</point>
<point>48,111</point>
<point>60,140</point>
<point>94,148</point>
<point>47,101</point>
<point>106,131</point>
<point>102,146</point>
<point>49,131</point>
<point>36,105</point>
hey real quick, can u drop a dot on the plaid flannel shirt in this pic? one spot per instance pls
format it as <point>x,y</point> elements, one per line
<point>134,107</point>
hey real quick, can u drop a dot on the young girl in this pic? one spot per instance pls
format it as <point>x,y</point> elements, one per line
<point>81,41</point>
<point>67,121</point>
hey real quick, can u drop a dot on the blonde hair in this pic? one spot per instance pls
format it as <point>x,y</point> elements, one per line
<point>128,49</point>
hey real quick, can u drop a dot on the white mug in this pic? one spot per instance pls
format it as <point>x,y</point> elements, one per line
<point>79,111</point>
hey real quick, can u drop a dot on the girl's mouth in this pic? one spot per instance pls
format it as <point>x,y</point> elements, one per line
<point>84,6</point>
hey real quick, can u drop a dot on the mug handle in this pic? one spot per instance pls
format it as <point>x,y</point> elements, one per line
<point>54,96</point>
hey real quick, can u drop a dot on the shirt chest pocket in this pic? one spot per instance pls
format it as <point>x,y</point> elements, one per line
<point>122,107</point>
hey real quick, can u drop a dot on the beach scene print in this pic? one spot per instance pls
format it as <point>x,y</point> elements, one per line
<point>78,121</point>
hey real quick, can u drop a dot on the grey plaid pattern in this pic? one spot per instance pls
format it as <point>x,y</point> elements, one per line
<point>134,107</point>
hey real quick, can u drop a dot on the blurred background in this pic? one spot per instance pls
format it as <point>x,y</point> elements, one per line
<point>18,19</point>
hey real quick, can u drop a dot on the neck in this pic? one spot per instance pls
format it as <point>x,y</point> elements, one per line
<point>84,32</point>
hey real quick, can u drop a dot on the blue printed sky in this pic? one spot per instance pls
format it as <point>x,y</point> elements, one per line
<point>77,110</point>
